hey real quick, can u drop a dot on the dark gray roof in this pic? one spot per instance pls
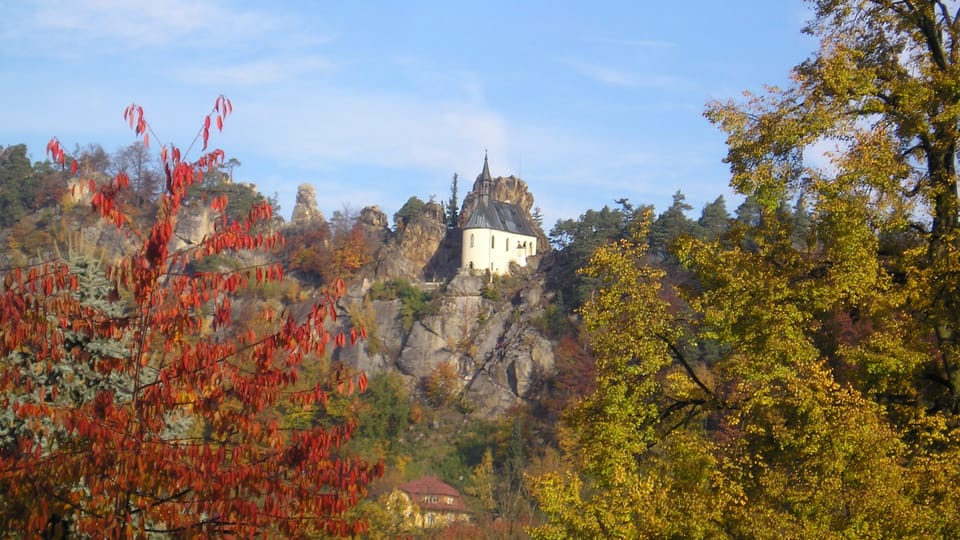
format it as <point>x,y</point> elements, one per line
<point>500,216</point>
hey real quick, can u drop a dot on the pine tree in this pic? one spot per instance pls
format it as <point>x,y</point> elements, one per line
<point>453,204</point>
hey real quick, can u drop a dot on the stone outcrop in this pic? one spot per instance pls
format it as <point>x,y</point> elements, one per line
<point>375,226</point>
<point>196,222</point>
<point>500,355</point>
<point>419,250</point>
<point>305,209</point>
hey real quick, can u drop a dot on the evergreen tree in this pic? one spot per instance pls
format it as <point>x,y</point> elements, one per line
<point>17,191</point>
<point>671,225</point>
<point>453,204</point>
<point>714,219</point>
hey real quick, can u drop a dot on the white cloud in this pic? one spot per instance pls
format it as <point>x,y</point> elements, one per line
<point>65,25</point>
<point>384,130</point>
<point>612,76</point>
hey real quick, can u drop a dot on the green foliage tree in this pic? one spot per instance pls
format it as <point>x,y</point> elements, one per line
<point>670,225</point>
<point>714,219</point>
<point>453,204</point>
<point>17,191</point>
<point>576,241</point>
<point>410,209</point>
<point>829,407</point>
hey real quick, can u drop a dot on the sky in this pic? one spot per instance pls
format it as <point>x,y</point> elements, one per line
<point>375,102</point>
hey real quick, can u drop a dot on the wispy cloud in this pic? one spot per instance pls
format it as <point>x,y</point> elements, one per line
<point>617,77</point>
<point>638,43</point>
<point>133,24</point>
<point>257,72</point>
<point>386,130</point>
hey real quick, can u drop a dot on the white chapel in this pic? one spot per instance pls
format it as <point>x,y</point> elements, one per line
<point>497,233</point>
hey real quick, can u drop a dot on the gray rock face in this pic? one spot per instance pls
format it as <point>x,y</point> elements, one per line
<point>195,222</point>
<point>500,355</point>
<point>305,209</point>
<point>465,284</point>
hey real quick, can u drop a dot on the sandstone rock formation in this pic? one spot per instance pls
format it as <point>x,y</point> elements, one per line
<point>305,209</point>
<point>419,250</point>
<point>501,357</point>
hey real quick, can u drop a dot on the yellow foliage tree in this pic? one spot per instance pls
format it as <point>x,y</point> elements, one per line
<point>830,406</point>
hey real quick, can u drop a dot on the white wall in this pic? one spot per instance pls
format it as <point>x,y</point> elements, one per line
<point>492,250</point>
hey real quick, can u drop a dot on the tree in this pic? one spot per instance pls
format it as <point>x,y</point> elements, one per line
<point>453,204</point>
<point>830,406</point>
<point>482,483</point>
<point>145,179</point>
<point>577,240</point>
<point>16,189</point>
<point>670,225</point>
<point>230,165</point>
<point>714,219</point>
<point>150,409</point>
<point>883,84</point>
<point>410,210</point>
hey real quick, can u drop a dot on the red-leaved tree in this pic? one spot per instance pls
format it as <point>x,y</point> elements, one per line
<point>132,404</point>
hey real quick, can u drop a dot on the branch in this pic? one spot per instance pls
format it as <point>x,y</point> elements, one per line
<point>675,352</point>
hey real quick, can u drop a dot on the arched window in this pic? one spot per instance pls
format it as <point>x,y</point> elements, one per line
<point>471,240</point>
<point>493,242</point>
<point>506,245</point>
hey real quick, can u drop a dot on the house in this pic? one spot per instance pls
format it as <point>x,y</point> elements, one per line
<point>497,233</point>
<point>429,502</point>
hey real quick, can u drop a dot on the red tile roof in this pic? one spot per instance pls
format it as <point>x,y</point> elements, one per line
<point>433,486</point>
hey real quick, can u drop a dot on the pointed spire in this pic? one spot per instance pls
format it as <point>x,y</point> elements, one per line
<point>485,175</point>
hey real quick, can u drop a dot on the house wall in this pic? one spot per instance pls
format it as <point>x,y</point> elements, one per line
<point>414,516</point>
<point>488,249</point>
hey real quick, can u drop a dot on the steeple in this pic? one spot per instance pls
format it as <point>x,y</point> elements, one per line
<point>485,175</point>
<point>485,181</point>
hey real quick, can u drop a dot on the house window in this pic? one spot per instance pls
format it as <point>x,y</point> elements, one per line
<point>471,240</point>
<point>493,242</point>
<point>506,244</point>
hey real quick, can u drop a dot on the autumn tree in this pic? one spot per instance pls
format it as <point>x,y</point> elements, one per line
<point>133,403</point>
<point>829,405</point>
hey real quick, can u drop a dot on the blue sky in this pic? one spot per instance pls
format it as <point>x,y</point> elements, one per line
<point>372,102</point>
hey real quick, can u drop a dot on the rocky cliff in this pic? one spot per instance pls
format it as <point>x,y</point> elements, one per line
<point>491,340</point>
<point>421,249</point>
